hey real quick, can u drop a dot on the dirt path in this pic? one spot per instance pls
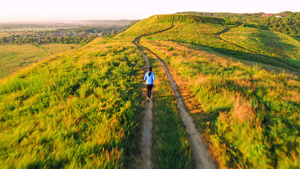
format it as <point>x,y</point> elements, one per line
<point>146,161</point>
<point>202,157</point>
<point>146,147</point>
<point>218,35</point>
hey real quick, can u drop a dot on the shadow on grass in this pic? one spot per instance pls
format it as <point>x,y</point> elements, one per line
<point>297,38</point>
<point>269,60</point>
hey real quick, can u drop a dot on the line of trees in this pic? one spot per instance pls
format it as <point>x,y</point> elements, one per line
<point>65,36</point>
<point>25,39</point>
<point>288,23</point>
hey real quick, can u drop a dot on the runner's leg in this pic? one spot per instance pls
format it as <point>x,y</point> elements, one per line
<point>150,89</point>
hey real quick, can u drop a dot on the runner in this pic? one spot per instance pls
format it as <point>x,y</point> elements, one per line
<point>149,77</point>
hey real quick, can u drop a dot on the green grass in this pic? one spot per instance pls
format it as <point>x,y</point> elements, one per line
<point>16,57</point>
<point>171,146</point>
<point>297,38</point>
<point>79,109</point>
<point>267,43</point>
<point>148,26</point>
<point>251,117</point>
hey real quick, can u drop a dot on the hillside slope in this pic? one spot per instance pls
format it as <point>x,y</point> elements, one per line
<point>266,42</point>
<point>77,109</point>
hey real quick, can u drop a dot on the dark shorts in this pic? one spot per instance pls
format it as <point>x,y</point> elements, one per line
<point>149,89</point>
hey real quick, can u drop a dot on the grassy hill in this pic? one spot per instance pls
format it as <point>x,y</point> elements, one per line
<point>267,43</point>
<point>203,31</point>
<point>246,113</point>
<point>82,108</point>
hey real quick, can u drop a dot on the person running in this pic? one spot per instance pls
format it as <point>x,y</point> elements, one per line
<point>149,77</point>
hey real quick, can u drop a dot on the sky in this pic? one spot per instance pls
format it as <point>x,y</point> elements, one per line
<point>50,10</point>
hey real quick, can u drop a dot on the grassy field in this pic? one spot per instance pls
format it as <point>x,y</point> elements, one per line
<point>20,31</point>
<point>172,149</point>
<point>83,108</point>
<point>16,57</point>
<point>78,109</point>
<point>246,114</point>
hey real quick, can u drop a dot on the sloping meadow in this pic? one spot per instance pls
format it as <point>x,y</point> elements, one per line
<point>250,117</point>
<point>273,44</point>
<point>75,110</point>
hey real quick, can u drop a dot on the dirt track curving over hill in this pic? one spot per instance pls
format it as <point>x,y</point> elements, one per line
<point>202,157</point>
<point>146,145</point>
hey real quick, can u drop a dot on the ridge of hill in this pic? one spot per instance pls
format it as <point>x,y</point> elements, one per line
<point>157,23</point>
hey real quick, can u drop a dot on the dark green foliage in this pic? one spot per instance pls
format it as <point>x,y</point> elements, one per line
<point>252,25</point>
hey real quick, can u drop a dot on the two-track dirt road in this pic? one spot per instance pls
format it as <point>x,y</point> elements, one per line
<point>201,155</point>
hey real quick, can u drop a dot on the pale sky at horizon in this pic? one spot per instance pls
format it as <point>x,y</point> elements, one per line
<point>45,10</point>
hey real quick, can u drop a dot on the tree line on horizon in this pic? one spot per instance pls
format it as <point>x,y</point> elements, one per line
<point>285,22</point>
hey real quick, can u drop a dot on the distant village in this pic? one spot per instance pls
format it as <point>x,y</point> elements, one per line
<point>67,36</point>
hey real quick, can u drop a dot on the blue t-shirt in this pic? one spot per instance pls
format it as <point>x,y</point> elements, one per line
<point>149,79</point>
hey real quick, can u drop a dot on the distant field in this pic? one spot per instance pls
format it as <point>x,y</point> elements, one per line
<point>17,31</point>
<point>25,29</point>
<point>15,57</point>
<point>6,34</point>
